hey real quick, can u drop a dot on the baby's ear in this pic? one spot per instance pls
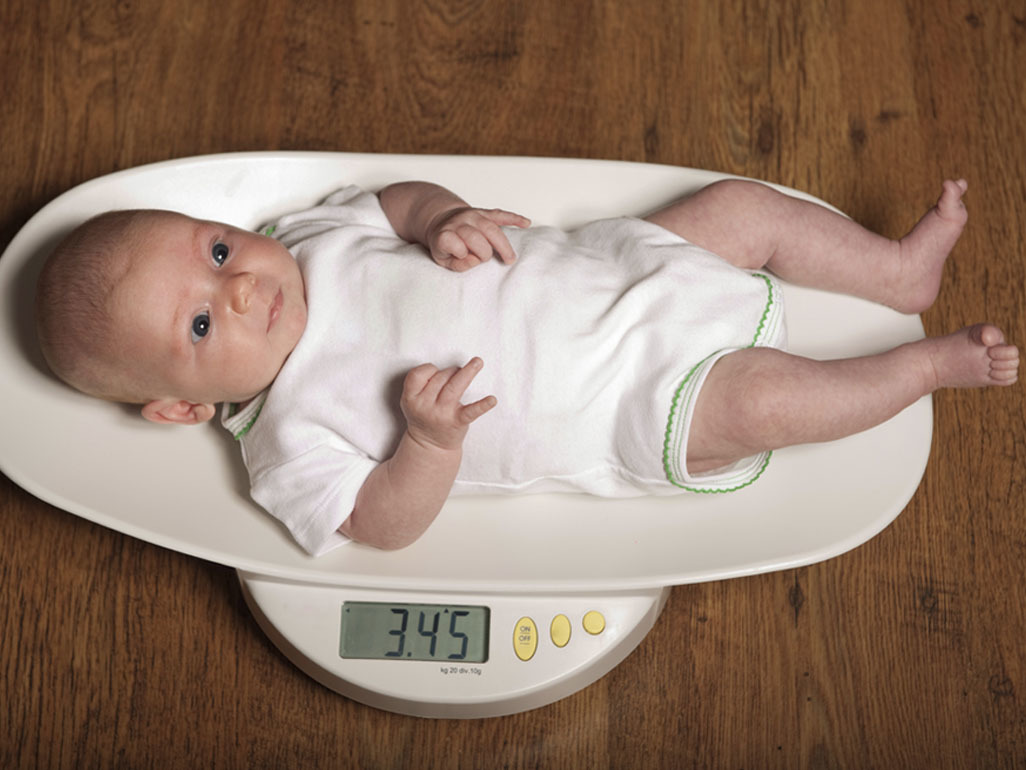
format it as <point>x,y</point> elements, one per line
<point>168,411</point>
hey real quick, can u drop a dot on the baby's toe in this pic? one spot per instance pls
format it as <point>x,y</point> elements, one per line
<point>987,335</point>
<point>1005,353</point>
<point>1004,364</point>
<point>950,203</point>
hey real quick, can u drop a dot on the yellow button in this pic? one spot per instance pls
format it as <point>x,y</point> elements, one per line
<point>525,638</point>
<point>560,630</point>
<point>594,622</point>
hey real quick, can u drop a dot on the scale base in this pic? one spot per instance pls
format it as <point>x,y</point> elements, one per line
<point>303,620</point>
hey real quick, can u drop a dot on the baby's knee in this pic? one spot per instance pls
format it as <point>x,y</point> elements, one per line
<point>739,193</point>
<point>750,395</point>
<point>738,412</point>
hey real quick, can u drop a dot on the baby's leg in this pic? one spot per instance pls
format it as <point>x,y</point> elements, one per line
<point>753,226</point>
<point>760,398</point>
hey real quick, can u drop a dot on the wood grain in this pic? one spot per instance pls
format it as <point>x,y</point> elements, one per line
<point>907,652</point>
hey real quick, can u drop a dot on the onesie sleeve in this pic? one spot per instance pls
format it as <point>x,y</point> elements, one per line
<point>313,493</point>
<point>349,206</point>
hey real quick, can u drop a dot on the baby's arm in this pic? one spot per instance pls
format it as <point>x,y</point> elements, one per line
<point>403,495</point>
<point>458,236</point>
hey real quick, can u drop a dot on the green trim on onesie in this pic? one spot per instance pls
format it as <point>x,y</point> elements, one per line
<point>239,421</point>
<point>682,405</point>
<point>249,423</point>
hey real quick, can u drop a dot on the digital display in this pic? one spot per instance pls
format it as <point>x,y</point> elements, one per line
<point>391,631</point>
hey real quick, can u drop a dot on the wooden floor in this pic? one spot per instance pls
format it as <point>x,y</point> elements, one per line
<point>909,652</point>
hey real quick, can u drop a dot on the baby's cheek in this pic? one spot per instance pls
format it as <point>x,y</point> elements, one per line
<point>247,369</point>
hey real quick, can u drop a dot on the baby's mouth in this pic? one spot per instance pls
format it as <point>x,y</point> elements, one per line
<point>275,310</point>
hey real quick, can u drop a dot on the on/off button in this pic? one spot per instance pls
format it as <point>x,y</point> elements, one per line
<point>525,638</point>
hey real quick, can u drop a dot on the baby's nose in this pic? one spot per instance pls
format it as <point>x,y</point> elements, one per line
<point>240,290</point>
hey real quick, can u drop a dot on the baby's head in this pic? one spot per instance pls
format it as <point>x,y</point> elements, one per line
<point>177,314</point>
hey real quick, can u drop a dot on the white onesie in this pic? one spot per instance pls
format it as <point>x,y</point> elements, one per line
<point>595,342</point>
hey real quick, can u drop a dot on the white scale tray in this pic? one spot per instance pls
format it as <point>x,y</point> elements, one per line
<point>185,488</point>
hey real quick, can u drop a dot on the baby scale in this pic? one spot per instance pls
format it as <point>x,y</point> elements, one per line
<point>506,604</point>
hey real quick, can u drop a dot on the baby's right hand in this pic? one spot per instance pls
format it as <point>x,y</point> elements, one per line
<point>431,404</point>
<point>464,237</point>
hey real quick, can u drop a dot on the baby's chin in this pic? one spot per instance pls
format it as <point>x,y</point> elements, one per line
<point>254,386</point>
<point>250,393</point>
<point>243,400</point>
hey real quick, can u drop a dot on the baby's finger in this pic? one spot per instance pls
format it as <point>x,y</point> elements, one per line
<point>470,412</point>
<point>462,265</point>
<point>479,241</point>
<point>501,247</point>
<point>450,246</point>
<point>490,228</point>
<point>504,218</point>
<point>497,239</point>
<point>418,377</point>
<point>460,380</point>
<point>439,382</point>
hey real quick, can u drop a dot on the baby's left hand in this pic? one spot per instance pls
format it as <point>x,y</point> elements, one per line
<point>430,402</point>
<point>462,238</point>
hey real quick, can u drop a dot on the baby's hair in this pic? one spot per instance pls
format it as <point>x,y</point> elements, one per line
<point>73,319</point>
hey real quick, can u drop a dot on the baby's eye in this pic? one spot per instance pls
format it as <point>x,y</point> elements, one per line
<point>219,253</point>
<point>200,327</point>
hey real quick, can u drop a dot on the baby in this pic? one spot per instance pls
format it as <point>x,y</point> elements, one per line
<point>632,356</point>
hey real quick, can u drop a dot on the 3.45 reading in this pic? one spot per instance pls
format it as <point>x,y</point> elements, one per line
<point>394,631</point>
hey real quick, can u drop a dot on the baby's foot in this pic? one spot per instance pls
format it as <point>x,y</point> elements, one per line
<point>925,249</point>
<point>974,357</point>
